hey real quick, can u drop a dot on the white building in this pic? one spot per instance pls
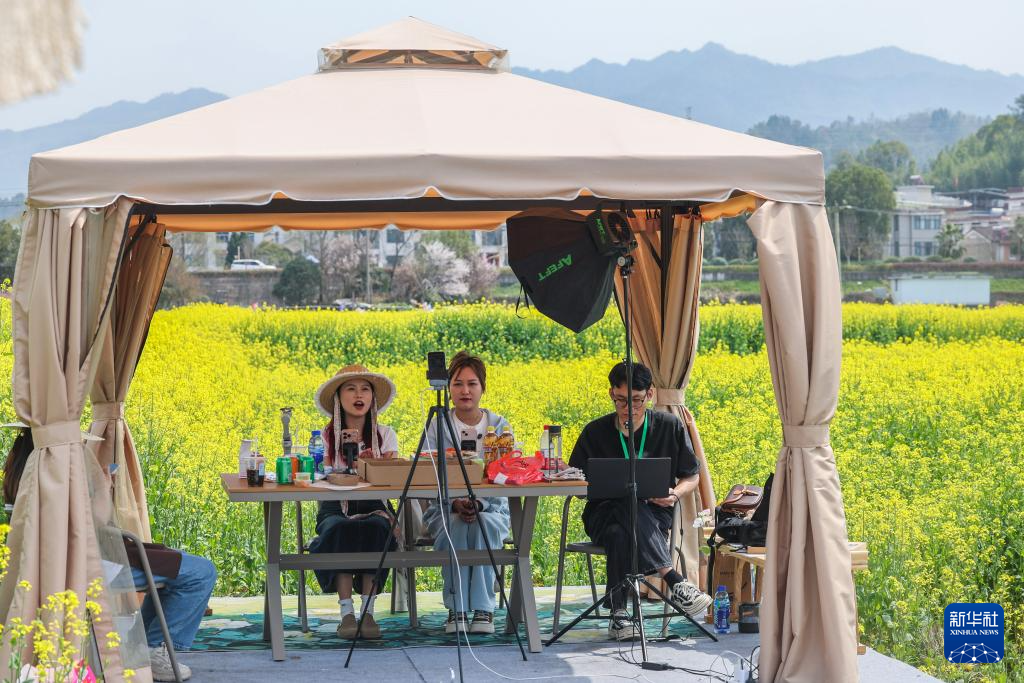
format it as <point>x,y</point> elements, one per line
<point>207,251</point>
<point>919,216</point>
<point>988,221</point>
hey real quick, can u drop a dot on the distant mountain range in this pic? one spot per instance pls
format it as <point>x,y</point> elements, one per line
<point>717,86</point>
<point>17,147</point>
<point>845,102</point>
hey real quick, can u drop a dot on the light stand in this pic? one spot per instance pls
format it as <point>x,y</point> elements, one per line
<point>633,581</point>
<point>440,414</point>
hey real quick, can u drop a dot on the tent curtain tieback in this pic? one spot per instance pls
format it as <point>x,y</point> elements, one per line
<point>112,410</point>
<point>805,436</point>
<point>669,397</point>
<point>56,434</point>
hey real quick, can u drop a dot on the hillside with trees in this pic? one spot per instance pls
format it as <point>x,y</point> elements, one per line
<point>991,157</point>
<point>925,134</point>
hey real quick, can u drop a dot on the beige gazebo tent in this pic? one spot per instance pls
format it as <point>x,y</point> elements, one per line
<point>416,126</point>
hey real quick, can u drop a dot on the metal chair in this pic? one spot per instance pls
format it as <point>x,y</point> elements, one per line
<point>153,587</point>
<point>589,550</point>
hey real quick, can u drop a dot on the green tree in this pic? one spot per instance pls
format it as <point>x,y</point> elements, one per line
<point>893,157</point>
<point>299,282</point>
<point>234,245</point>
<point>950,240</point>
<point>239,246</point>
<point>787,130</point>
<point>10,238</point>
<point>1017,234</point>
<point>863,200</point>
<point>1017,108</point>
<point>991,157</point>
<point>273,254</point>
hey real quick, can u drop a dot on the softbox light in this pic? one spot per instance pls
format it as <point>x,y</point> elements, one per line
<point>559,266</point>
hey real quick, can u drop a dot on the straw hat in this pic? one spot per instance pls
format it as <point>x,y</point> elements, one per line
<point>383,388</point>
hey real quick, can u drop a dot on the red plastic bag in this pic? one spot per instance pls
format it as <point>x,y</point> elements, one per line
<point>513,471</point>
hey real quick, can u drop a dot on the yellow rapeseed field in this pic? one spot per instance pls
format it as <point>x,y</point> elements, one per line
<point>927,437</point>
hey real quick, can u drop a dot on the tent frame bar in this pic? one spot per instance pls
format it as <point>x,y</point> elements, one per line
<point>417,205</point>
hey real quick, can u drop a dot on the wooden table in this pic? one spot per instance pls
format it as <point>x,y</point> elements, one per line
<point>522,503</point>
<point>755,559</point>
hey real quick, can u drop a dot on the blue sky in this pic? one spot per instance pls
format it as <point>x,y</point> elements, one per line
<point>137,49</point>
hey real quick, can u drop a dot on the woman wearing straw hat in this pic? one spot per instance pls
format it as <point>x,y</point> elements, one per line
<point>352,399</point>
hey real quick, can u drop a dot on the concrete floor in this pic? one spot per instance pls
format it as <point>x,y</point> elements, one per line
<point>591,661</point>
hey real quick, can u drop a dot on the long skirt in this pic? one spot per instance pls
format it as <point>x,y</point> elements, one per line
<point>607,524</point>
<point>337,533</point>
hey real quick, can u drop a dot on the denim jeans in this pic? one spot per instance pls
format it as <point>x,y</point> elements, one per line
<point>183,599</point>
<point>477,582</point>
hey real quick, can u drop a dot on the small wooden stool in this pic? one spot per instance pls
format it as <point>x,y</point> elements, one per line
<point>737,570</point>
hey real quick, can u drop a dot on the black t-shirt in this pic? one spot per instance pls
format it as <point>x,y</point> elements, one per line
<point>667,437</point>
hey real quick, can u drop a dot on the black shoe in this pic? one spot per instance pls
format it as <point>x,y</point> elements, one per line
<point>620,627</point>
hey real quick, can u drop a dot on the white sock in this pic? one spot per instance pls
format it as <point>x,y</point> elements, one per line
<point>367,604</point>
<point>346,606</point>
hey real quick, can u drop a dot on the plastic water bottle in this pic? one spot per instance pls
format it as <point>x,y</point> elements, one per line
<point>316,450</point>
<point>545,447</point>
<point>721,610</point>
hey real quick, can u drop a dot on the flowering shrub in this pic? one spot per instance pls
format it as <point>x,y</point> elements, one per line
<point>60,623</point>
<point>927,435</point>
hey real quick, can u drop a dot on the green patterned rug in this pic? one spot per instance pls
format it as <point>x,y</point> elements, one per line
<point>245,631</point>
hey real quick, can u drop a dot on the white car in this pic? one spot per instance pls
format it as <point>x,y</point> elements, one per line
<point>250,264</point>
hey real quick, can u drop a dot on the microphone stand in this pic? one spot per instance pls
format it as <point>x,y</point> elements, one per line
<point>633,581</point>
<point>440,413</point>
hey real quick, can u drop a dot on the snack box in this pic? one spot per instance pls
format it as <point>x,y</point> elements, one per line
<point>395,472</point>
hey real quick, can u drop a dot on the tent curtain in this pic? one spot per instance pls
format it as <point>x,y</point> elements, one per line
<point>808,624</point>
<point>66,264</point>
<point>664,288</point>
<point>139,281</point>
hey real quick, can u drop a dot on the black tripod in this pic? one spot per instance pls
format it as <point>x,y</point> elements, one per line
<point>440,415</point>
<point>632,582</point>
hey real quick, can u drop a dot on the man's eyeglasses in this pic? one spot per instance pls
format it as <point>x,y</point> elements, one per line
<point>621,402</point>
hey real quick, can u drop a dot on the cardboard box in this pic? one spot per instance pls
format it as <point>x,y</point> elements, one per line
<point>395,472</point>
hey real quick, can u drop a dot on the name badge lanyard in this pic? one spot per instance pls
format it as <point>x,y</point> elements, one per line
<point>643,441</point>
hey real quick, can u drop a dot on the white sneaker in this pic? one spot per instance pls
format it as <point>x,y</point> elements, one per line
<point>620,627</point>
<point>689,597</point>
<point>160,663</point>
<point>483,622</point>
<point>456,622</point>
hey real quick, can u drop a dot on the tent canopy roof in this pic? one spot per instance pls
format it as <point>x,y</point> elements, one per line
<point>404,125</point>
<point>412,42</point>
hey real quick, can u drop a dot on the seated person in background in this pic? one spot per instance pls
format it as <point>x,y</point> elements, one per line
<point>352,399</point>
<point>188,580</point>
<point>467,381</point>
<point>656,434</point>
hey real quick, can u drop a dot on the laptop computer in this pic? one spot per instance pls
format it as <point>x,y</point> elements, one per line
<point>608,478</point>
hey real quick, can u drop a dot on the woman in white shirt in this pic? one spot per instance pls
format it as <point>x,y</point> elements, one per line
<point>467,382</point>
<point>352,399</point>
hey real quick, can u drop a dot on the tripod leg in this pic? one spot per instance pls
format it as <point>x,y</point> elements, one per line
<point>568,627</point>
<point>402,499</point>
<point>483,531</point>
<point>638,615</point>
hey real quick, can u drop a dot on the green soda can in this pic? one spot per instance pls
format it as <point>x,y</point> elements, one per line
<point>283,467</point>
<point>307,464</point>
